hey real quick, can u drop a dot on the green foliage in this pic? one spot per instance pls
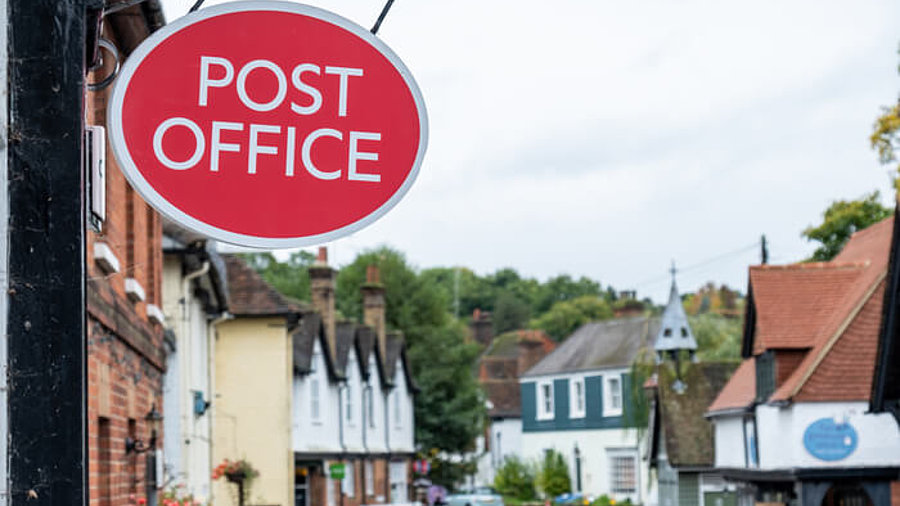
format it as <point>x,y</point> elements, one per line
<point>510,313</point>
<point>515,479</point>
<point>605,500</point>
<point>841,220</point>
<point>553,476</point>
<point>290,278</point>
<point>885,138</point>
<point>563,287</point>
<point>449,473</point>
<point>412,305</point>
<point>449,409</point>
<point>718,337</point>
<point>638,406</point>
<point>564,317</point>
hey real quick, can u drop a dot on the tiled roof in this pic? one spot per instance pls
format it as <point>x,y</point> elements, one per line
<point>688,435</point>
<point>250,295</point>
<point>793,302</point>
<point>599,345</point>
<point>833,309</point>
<point>740,390</point>
<point>507,344</point>
<point>498,368</point>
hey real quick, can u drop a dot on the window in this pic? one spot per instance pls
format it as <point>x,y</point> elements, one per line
<point>667,333</point>
<point>576,398</point>
<point>612,405</point>
<point>314,398</point>
<point>370,478</point>
<point>329,490</point>
<point>370,406</point>
<point>348,402</point>
<point>397,421</point>
<point>623,472</point>
<point>545,400</point>
<point>684,332</point>
<point>348,484</point>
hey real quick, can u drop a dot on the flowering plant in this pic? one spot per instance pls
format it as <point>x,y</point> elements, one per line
<point>174,497</point>
<point>235,470</point>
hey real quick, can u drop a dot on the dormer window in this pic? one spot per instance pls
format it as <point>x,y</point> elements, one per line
<point>684,332</point>
<point>667,333</point>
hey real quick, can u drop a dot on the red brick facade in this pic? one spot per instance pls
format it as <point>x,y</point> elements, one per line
<point>125,350</point>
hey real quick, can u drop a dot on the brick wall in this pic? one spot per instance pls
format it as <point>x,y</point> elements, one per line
<point>125,350</point>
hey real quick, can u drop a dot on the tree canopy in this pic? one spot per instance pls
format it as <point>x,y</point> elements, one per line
<point>841,220</point>
<point>885,137</point>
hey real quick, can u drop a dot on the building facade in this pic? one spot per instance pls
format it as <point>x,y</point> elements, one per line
<point>793,424</point>
<point>578,401</point>
<point>125,323</point>
<point>194,300</point>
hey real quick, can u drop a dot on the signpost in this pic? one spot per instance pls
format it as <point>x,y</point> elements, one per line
<point>268,124</point>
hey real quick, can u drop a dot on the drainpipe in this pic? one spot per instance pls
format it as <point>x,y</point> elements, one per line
<point>342,388</point>
<point>186,362</point>
<point>387,446</point>
<point>367,399</point>
<point>211,355</point>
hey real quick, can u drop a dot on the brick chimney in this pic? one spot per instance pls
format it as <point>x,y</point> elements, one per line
<point>482,327</point>
<point>533,346</point>
<point>321,279</point>
<point>373,307</point>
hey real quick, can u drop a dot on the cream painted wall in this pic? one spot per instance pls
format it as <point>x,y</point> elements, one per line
<point>252,408</point>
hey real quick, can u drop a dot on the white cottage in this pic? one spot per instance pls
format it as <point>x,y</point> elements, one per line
<point>796,424</point>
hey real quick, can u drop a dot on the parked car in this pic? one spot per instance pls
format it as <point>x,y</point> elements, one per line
<point>480,496</point>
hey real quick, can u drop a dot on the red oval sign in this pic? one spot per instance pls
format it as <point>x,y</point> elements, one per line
<point>268,124</point>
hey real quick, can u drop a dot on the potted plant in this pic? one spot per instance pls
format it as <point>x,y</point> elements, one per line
<point>240,472</point>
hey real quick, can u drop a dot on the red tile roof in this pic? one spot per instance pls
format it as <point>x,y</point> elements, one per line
<point>833,309</point>
<point>740,390</point>
<point>250,295</point>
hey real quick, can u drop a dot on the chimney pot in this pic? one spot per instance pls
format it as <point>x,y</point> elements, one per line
<point>372,275</point>
<point>322,256</point>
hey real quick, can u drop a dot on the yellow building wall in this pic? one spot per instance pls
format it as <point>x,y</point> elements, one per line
<point>252,408</point>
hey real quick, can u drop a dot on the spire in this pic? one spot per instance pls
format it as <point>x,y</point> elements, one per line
<point>674,331</point>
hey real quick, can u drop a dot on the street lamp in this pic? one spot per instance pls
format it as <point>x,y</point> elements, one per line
<point>154,418</point>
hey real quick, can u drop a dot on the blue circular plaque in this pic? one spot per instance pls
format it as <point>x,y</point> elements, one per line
<point>826,440</point>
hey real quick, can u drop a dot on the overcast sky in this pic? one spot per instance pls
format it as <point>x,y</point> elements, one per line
<point>607,138</point>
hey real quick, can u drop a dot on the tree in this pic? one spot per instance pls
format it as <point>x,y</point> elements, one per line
<point>290,278</point>
<point>515,479</point>
<point>885,136</point>
<point>510,313</point>
<point>841,220</point>
<point>450,406</point>
<point>718,337</point>
<point>553,477</point>
<point>565,317</point>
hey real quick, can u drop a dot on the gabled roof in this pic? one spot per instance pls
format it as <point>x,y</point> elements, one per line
<point>396,352</point>
<point>739,392</point>
<point>599,345</point>
<point>250,295</point>
<point>832,309</point>
<point>688,435</point>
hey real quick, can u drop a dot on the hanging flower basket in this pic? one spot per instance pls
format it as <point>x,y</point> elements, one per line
<point>235,471</point>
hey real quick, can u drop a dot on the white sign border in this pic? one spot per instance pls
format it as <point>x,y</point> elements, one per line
<point>140,184</point>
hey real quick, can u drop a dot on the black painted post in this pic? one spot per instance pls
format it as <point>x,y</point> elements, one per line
<point>46,312</point>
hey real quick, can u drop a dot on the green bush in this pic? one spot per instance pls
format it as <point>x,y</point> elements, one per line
<point>515,479</point>
<point>553,477</point>
<point>605,500</point>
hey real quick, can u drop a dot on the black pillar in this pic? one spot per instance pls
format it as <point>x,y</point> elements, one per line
<point>46,312</point>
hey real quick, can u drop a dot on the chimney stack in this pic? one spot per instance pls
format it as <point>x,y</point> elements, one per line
<point>321,278</point>
<point>482,327</point>
<point>373,307</point>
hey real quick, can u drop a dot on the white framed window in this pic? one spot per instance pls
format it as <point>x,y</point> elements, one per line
<point>370,478</point>
<point>545,400</point>
<point>348,403</point>
<point>348,484</point>
<point>612,395</point>
<point>623,471</point>
<point>370,406</point>
<point>398,422</point>
<point>576,398</point>
<point>314,410</point>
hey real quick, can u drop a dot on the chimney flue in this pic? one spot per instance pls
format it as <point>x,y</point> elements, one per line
<point>321,279</point>
<point>373,307</point>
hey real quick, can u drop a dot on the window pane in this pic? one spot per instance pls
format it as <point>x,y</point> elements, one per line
<point>624,476</point>
<point>314,398</point>
<point>615,391</point>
